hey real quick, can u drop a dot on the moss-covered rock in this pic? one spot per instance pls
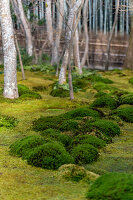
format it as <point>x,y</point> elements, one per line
<point>112,186</point>
<point>22,89</point>
<point>26,93</point>
<point>59,92</point>
<point>72,172</point>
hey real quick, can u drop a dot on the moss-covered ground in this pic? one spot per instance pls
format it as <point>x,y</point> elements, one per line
<point>20,181</point>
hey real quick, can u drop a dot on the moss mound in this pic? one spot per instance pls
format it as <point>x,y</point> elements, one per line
<point>100,94</point>
<point>126,114</point>
<point>99,78</point>
<point>84,154</point>
<point>39,88</point>
<point>26,93</point>
<point>112,186</point>
<point>105,101</point>
<point>22,89</point>
<point>8,122</point>
<point>80,83</point>
<point>49,156</point>
<point>89,139</point>
<point>24,146</point>
<point>47,122</point>
<point>59,92</point>
<point>131,80</point>
<point>50,132</point>
<point>101,86</point>
<point>107,127</point>
<point>69,125</point>
<point>81,112</point>
<point>72,172</point>
<point>127,99</point>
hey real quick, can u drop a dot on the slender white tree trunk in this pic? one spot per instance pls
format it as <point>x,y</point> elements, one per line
<point>69,30</point>
<point>76,51</point>
<point>49,22</point>
<point>56,43</point>
<point>26,26</point>
<point>10,73</point>
<point>86,34</point>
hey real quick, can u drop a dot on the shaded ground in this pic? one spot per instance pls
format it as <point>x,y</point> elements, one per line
<point>19,181</point>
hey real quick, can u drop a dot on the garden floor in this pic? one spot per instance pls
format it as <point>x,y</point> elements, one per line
<point>19,181</point>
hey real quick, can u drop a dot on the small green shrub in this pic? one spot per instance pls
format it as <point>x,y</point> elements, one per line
<point>69,125</point>
<point>81,112</point>
<point>131,80</point>
<point>112,186</point>
<point>72,172</point>
<point>24,146</point>
<point>7,122</point>
<point>84,153</point>
<point>89,139</point>
<point>107,127</point>
<point>49,156</point>
<point>127,99</point>
<point>126,114</point>
<point>105,101</point>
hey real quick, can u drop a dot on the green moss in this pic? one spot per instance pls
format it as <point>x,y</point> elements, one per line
<point>107,127</point>
<point>49,156</point>
<point>127,99</point>
<point>81,112</point>
<point>101,86</point>
<point>99,78</point>
<point>50,132</point>
<point>89,139</point>
<point>31,95</point>
<point>100,94</point>
<point>22,89</point>
<point>80,83</point>
<point>59,92</point>
<point>126,114</point>
<point>23,147</point>
<point>112,186</point>
<point>69,125</point>
<point>72,172</point>
<point>26,93</point>
<point>105,101</point>
<point>131,80</point>
<point>8,122</point>
<point>47,122</point>
<point>84,153</point>
<point>39,88</point>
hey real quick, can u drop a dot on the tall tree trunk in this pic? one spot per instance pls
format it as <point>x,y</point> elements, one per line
<point>49,22</point>
<point>72,13</point>
<point>76,51</point>
<point>26,26</point>
<point>85,24</point>
<point>56,43</point>
<point>111,35</point>
<point>10,72</point>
